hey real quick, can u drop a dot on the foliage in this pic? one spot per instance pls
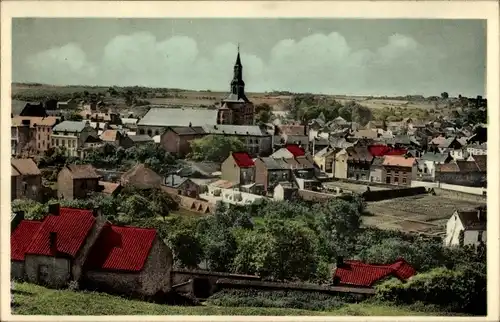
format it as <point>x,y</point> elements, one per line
<point>32,210</point>
<point>215,148</point>
<point>75,117</point>
<point>279,299</point>
<point>151,154</point>
<point>144,203</point>
<point>263,113</point>
<point>461,290</point>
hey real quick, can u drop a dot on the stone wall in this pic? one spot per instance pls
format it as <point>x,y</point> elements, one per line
<point>156,273</point>
<point>17,270</point>
<point>58,270</point>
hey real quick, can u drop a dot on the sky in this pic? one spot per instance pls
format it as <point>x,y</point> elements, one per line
<point>330,56</point>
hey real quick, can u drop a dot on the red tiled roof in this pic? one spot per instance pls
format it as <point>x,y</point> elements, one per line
<point>398,161</point>
<point>71,226</point>
<point>382,150</point>
<point>296,150</point>
<point>121,249</point>
<point>21,237</point>
<point>360,274</point>
<point>243,160</point>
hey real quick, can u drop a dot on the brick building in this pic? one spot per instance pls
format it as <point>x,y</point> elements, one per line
<point>270,172</point>
<point>77,181</point>
<point>399,170</point>
<point>177,139</point>
<point>26,180</point>
<point>31,135</point>
<point>238,168</point>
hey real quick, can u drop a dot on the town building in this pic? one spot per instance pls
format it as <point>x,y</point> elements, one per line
<point>109,188</point>
<point>26,180</point>
<point>257,142</point>
<point>400,170</point>
<point>117,138</point>
<point>466,228</point>
<point>140,139</point>
<point>238,168</point>
<point>77,181</point>
<point>285,191</point>
<point>476,149</point>
<point>71,135</point>
<point>177,139</point>
<point>236,108</point>
<point>464,173</point>
<point>358,163</point>
<point>270,172</point>
<point>324,159</point>
<point>128,261</point>
<point>448,145</point>
<point>377,170</point>
<point>158,119</point>
<point>70,104</point>
<point>428,162</point>
<point>141,177</point>
<point>30,135</point>
<point>177,185</point>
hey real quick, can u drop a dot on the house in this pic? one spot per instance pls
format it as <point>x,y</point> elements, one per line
<point>110,188</point>
<point>92,142</point>
<point>448,145</point>
<point>377,170</point>
<point>238,168</point>
<point>70,104</point>
<point>216,194</point>
<point>141,177</point>
<point>464,173</point>
<point>201,170</point>
<point>26,180</point>
<point>365,134</point>
<point>140,139</point>
<point>182,186</point>
<point>355,273</point>
<point>77,181</point>
<point>52,252</point>
<point>324,159</point>
<point>428,162</point>
<point>285,191</point>
<point>299,140</point>
<point>30,135</point>
<point>466,228</point>
<point>116,138</point>
<point>255,140</point>
<point>288,152</point>
<point>177,139</point>
<point>269,172</point>
<point>399,170</point>
<point>71,135</point>
<point>128,261</point>
<point>158,119</point>
<point>292,129</point>
<point>359,161</point>
<point>340,164</point>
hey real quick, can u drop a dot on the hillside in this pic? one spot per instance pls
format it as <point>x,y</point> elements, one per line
<point>32,299</point>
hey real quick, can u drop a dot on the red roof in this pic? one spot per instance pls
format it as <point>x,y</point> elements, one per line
<point>121,248</point>
<point>243,160</point>
<point>382,150</point>
<point>71,227</point>
<point>357,273</point>
<point>296,150</point>
<point>21,238</point>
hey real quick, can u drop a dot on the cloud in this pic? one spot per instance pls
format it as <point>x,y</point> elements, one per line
<point>320,63</point>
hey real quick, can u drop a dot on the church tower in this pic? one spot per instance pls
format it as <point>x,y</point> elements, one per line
<point>236,108</point>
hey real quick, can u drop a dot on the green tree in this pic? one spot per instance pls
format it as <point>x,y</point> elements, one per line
<point>75,117</point>
<point>215,148</point>
<point>136,206</point>
<point>186,247</point>
<point>444,95</point>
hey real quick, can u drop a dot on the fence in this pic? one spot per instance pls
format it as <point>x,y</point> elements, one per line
<point>446,186</point>
<point>391,194</point>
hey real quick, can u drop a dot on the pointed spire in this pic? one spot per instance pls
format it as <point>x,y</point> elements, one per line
<point>238,61</point>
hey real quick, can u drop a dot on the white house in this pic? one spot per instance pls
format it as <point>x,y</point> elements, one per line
<point>234,196</point>
<point>428,162</point>
<point>466,228</point>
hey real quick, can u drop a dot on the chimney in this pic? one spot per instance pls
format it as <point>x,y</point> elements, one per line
<point>53,242</point>
<point>340,261</point>
<point>54,209</point>
<point>190,124</point>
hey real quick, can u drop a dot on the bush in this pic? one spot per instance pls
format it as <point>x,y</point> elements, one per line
<point>460,290</point>
<point>279,299</point>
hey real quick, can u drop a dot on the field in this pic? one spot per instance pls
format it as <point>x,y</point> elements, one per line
<point>30,299</point>
<point>422,213</point>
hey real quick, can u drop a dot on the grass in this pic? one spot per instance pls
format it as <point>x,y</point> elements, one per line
<point>32,299</point>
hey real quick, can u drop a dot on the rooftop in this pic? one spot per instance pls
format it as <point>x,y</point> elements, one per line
<point>398,161</point>
<point>83,171</point>
<point>251,130</point>
<point>164,116</point>
<point>26,167</point>
<point>243,159</point>
<point>70,126</point>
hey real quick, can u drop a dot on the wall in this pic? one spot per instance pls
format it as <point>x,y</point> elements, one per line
<point>261,173</point>
<point>377,174</point>
<point>340,166</point>
<point>470,237</point>
<point>81,256</point>
<point>391,194</point>
<point>276,176</point>
<point>58,270</point>
<point>17,270</point>
<point>82,187</point>
<point>464,189</point>
<point>230,171</point>
<point>112,282</point>
<point>156,273</point>
<point>470,179</point>
<point>65,184</point>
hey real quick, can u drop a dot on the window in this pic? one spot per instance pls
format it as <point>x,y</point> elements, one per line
<point>53,141</point>
<point>396,179</point>
<point>425,170</point>
<point>388,179</point>
<point>38,145</point>
<point>43,273</point>
<point>404,179</point>
<point>63,142</point>
<point>57,142</point>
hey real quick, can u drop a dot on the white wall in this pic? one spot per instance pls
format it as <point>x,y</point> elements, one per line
<point>445,186</point>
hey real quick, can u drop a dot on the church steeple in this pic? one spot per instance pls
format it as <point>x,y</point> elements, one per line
<point>237,84</point>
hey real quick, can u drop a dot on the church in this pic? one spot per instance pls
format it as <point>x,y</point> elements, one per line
<point>236,109</point>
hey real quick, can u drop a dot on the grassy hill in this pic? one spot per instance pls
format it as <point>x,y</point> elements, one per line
<point>32,299</point>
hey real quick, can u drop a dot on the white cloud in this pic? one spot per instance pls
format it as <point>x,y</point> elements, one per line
<point>317,63</point>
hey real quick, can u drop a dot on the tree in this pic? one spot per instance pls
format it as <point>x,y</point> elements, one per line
<point>282,250</point>
<point>186,247</point>
<point>444,95</point>
<point>215,148</point>
<point>75,117</point>
<point>136,206</point>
